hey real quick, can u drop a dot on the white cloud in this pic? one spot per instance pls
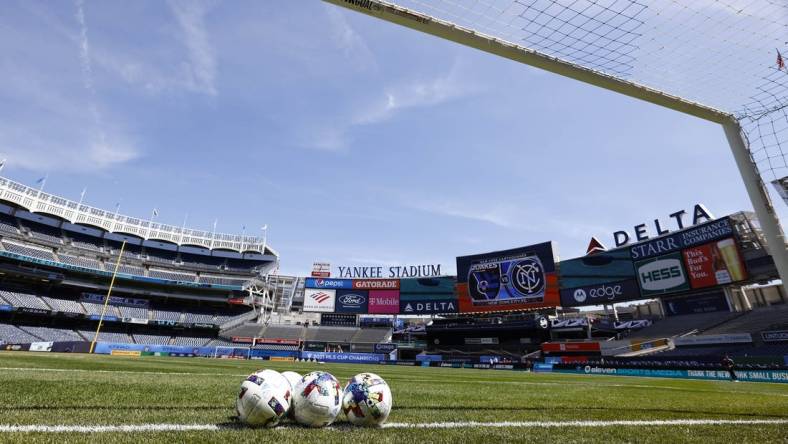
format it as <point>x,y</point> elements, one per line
<point>201,69</point>
<point>348,40</point>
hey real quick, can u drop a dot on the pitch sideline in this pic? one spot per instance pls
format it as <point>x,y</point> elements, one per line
<point>141,428</point>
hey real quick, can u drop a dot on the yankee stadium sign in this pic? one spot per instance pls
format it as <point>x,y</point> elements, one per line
<point>404,271</point>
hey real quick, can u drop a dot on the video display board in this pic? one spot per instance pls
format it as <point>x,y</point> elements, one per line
<point>517,279</point>
<point>600,278</point>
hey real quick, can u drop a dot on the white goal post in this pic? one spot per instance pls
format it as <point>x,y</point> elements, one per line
<point>223,351</point>
<point>753,182</point>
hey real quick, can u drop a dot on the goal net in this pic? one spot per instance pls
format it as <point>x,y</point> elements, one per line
<point>721,60</point>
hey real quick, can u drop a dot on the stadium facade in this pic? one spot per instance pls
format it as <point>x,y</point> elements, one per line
<point>195,293</point>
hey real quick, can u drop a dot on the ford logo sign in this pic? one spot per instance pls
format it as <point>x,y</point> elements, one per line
<point>352,299</point>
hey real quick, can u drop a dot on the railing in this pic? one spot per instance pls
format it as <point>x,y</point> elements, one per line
<point>37,201</point>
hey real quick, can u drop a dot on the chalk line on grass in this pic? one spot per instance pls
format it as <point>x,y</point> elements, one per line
<point>142,428</point>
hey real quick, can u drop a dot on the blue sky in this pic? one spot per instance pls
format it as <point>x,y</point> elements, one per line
<point>358,142</point>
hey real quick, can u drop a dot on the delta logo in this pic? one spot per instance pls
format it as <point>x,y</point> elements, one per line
<point>321,297</point>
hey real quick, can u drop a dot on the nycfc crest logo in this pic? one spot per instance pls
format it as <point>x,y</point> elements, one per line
<point>528,276</point>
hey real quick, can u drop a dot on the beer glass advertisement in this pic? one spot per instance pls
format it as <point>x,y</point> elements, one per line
<point>600,278</point>
<point>516,279</point>
<point>715,263</point>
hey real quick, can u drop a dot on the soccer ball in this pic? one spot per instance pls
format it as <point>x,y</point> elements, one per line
<point>317,399</point>
<point>293,378</point>
<point>264,399</point>
<point>367,400</point>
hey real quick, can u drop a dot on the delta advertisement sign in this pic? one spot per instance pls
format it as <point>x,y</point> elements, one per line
<point>517,279</point>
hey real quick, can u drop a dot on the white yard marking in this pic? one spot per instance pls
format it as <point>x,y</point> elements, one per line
<point>140,428</point>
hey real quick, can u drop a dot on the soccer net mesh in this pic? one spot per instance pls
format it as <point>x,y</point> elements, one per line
<point>725,54</point>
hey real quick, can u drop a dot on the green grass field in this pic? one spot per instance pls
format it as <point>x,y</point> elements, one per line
<point>66,389</point>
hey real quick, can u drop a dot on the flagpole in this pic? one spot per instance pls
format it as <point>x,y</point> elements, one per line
<point>265,236</point>
<point>2,164</point>
<point>106,301</point>
<point>79,205</point>
<point>183,227</point>
<point>213,234</point>
<point>43,182</point>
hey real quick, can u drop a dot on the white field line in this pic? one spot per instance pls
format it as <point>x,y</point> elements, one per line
<point>139,428</point>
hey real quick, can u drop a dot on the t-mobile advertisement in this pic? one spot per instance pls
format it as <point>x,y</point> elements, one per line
<point>384,301</point>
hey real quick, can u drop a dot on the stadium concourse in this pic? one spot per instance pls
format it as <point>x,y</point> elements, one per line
<point>181,292</point>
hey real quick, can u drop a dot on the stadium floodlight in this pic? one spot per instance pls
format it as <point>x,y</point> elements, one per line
<point>718,60</point>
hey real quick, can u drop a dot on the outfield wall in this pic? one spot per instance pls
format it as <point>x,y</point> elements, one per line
<point>720,375</point>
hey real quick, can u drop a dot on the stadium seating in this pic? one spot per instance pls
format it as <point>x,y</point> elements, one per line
<point>174,276</point>
<point>133,312</point>
<point>245,331</point>
<point>86,242</point>
<point>52,334</point>
<point>683,324</point>
<point>127,269</point>
<point>753,321</point>
<point>190,341</point>
<point>96,309</point>
<point>283,332</point>
<point>330,334</point>
<point>81,261</point>
<point>42,232</point>
<point>26,250</point>
<point>165,315</point>
<point>8,224</point>
<point>13,334</point>
<point>63,305</point>
<point>208,279</point>
<point>23,300</point>
<point>205,318</point>
<point>148,339</point>
<point>375,335</point>
<point>106,336</point>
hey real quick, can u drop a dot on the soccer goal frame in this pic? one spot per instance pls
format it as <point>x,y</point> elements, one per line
<point>217,355</point>
<point>759,196</point>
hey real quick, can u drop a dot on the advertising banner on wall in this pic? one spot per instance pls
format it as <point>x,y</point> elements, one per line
<point>352,301</point>
<point>319,300</point>
<point>704,302</point>
<point>662,275</point>
<point>697,235</point>
<point>376,284</point>
<point>601,278</point>
<point>383,301</point>
<point>715,263</point>
<point>427,306</point>
<point>516,279</point>
<point>328,283</point>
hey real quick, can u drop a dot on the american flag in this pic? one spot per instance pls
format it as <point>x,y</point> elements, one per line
<point>780,61</point>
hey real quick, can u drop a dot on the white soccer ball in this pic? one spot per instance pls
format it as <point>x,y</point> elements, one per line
<point>264,399</point>
<point>293,378</point>
<point>367,400</point>
<point>317,399</point>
